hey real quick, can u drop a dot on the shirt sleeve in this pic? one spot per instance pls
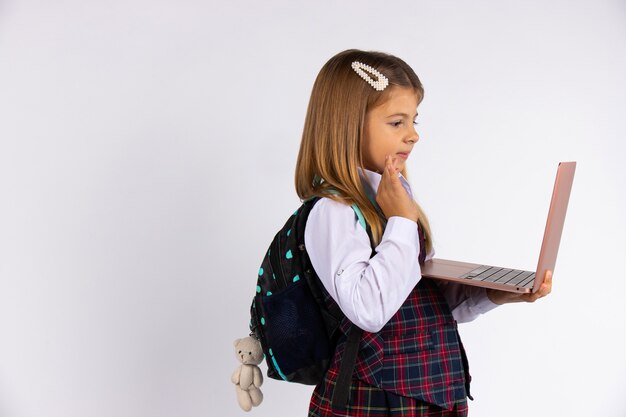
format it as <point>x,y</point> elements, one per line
<point>466,302</point>
<point>369,291</point>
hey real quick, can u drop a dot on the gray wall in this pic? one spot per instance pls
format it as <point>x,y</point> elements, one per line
<point>147,151</point>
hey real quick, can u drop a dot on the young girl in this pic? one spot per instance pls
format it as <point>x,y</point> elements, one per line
<point>358,134</point>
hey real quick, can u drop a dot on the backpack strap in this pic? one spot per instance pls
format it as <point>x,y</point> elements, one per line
<point>359,215</point>
<point>346,370</point>
<point>351,351</point>
<point>355,333</point>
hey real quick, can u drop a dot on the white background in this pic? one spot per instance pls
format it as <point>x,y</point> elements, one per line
<point>147,151</point>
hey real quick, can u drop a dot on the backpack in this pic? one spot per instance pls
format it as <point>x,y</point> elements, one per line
<point>298,330</point>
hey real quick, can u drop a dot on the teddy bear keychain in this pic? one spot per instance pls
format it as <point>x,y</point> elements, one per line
<point>248,377</point>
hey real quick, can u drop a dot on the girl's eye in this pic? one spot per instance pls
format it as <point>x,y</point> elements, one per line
<point>415,123</point>
<point>396,124</point>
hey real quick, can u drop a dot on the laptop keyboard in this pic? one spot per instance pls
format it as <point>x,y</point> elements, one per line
<point>514,277</point>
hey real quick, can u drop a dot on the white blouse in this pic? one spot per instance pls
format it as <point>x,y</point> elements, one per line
<point>370,291</point>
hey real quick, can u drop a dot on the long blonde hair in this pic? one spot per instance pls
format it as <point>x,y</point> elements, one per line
<point>330,152</point>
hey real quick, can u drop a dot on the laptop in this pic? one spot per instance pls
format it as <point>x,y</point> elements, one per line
<point>509,279</point>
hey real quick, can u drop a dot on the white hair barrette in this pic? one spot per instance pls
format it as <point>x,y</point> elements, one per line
<point>380,84</point>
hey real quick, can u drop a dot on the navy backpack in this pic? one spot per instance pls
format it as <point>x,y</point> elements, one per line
<point>297,328</point>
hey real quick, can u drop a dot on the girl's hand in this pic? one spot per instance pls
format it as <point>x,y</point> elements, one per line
<point>504,297</point>
<point>392,197</point>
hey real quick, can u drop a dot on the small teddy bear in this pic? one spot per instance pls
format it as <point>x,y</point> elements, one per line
<point>248,377</point>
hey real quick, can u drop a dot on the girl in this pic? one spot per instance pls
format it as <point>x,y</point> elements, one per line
<point>358,134</point>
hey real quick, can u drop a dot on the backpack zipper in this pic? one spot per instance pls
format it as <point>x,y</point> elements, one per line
<point>275,260</point>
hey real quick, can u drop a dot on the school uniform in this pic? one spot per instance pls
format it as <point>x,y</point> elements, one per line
<point>411,361</point>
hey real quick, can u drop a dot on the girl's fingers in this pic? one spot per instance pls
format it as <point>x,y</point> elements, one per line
<point>391,195</point>
<point>390,168</point>
<point>501,297</point>
<point>394,170</point>
<point>387,179</point>
<point>546,286</point>
<point>548,277</point>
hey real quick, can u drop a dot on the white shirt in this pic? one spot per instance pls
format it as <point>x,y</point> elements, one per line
<point>370,291</point>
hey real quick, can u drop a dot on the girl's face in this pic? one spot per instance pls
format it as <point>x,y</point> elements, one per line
<point>390,130</point>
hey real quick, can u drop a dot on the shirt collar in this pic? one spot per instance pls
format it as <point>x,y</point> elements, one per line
<point>371,180</point>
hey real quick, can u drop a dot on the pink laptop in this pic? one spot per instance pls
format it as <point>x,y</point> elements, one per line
<point>515,280</point>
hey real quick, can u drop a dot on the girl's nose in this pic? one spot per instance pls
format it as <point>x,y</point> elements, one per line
<point>413,136</point>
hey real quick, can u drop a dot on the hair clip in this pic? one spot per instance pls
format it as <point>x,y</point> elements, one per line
<point>380,84</point>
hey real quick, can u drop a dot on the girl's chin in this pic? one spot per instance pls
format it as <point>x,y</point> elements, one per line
<point>399,166</point>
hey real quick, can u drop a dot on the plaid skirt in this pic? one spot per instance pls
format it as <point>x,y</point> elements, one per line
<point>368,401</point>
